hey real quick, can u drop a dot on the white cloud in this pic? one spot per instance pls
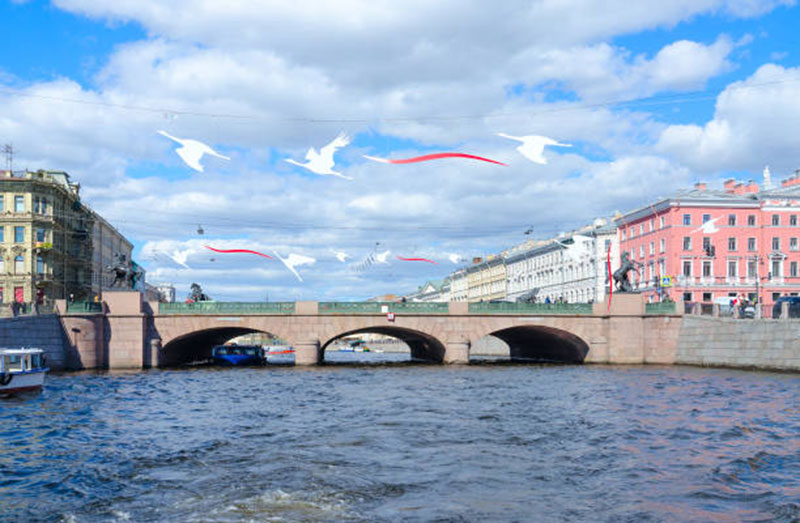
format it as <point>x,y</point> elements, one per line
<point>749,128</point>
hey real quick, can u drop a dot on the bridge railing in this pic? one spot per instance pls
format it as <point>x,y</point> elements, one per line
<point>665,307</point>
<point>229,307</point>
<point>84,307</point>
<point>529,308</point>
<point>374,307</point>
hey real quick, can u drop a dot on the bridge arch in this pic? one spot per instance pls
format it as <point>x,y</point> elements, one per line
<point>542,343</point>
<point>423,346</point>
<point>196,345</point>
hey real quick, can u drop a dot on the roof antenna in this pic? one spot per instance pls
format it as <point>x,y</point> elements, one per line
<point>8,150</point>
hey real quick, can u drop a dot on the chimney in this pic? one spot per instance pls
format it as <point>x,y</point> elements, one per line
<point>752,187</point>
<point>477,260</point>
<point>729,184</point>
<point>700,186</point>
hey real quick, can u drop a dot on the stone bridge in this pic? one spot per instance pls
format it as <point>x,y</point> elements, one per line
<point>126,332</point>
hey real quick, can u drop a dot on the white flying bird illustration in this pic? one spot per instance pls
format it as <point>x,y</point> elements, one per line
<point>191,151</point>
<point>709,227</point>
<point>294,260</point>
<point>180,257</point>
<point>533,146</point>
<point>340,255</point>
<point>381,258</point>
<point>322,162</point>
<point>455,258</point>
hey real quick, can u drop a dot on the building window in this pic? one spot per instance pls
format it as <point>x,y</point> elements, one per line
<point>792,244</point>
<point>641,229</point>
<point>662,267</point>
<point>661,245</point>
<point>607,245</point>
<point>687,243</point>
<point>775,296</point>
<point>19,265</point>
<point>2,267</point>
<point>706,296</point>
<point>732,220</point>
<point>19,203</point>
<point>687,219</point>
<point>751,269</point>
<point>776,219</point>
<point>751,220</point>
<point>732,244</point>
<point>39,234</point>
<point>706,269</point>
<point>2,203</point>
<point>652,224</point>
<point>36,205</point>
<point>652,248</point>
<point>641,251</point>
<point>793,220</point>
<point>19,234</point>
<point>776,268</point>
<point>39,265</point>
<point>776,244</point>
<point>706,244</point>
<point>662,222</point>
<point>623,234</point>
<point>687,268</point>
<point>44,205</point>
<point>706,218</point>
<point>793,269</point>
<point>687,296</point>
<point>732,268</point>
<point>751,244</point>
<point>2,234</point>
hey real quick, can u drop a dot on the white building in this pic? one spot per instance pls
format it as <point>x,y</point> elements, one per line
<point>572,267</point>
<point>167,291</point>
<point>459,285</point>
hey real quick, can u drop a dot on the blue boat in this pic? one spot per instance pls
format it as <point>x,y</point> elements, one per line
<point>238,355</point>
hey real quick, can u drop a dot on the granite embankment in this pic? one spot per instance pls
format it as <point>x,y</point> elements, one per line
<point>43,332</point>
<point>727,342</point>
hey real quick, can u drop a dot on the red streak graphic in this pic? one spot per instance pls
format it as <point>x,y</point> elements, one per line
<point>610,279</point>
<point>245,251</point>
<point>417,259</point>
<point>437,156</point>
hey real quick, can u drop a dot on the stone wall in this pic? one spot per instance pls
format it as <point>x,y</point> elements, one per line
<point>42,332</point>
<point>726,342</point>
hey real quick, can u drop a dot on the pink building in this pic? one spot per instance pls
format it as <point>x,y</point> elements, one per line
<point>718,243</point>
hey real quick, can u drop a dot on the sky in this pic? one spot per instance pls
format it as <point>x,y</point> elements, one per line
<point>652,96</point>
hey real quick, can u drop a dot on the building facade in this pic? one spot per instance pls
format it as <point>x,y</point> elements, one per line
<point>704,244</point>
<point>486,279</point>
<point>108,243</point>
<point>45,238</point>
<point>572,267</point>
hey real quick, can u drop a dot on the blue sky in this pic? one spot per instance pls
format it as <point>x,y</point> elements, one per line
<point>402,81</point>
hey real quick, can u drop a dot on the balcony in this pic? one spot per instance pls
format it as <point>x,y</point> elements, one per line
<point>684,281</point>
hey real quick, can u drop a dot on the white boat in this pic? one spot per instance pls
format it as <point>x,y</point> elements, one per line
<point>21,370</point>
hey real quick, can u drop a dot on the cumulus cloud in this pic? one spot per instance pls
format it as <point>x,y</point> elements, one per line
<point>749,128</point>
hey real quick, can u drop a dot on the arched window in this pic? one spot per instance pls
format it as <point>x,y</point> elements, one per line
<point>19,264</point>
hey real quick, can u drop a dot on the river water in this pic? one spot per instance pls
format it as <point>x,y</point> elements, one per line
<point>405,442</point>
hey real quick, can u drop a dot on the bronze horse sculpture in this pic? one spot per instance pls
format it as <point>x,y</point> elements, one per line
<point>620,276</point>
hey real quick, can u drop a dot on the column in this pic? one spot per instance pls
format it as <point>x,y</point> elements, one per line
<point>307,352</point>
<point>457,351</point>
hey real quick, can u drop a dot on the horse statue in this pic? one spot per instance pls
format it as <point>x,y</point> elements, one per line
<point>125,274</point>
<point>197,294</point>
<point>621,280</point>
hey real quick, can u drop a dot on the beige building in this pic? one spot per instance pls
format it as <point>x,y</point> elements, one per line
<point>52,245</point>
<point>486,279</point>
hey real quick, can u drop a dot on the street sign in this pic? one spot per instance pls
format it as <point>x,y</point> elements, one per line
<point>666,281</point>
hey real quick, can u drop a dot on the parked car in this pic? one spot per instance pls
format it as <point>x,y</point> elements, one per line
<point>794,306</point>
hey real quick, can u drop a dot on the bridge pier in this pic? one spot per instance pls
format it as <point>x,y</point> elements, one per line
<point>456,351</point>
<point>307,352</point>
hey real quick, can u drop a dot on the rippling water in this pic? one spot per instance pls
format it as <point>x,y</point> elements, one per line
<point>405,443</point>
